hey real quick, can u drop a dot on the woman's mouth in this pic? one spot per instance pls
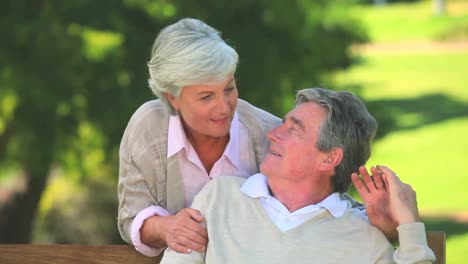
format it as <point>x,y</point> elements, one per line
<point>221,121</point>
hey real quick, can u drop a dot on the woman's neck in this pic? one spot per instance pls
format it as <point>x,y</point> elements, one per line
<point>209,149</point>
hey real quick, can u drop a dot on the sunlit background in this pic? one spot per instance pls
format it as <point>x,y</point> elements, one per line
<point>72,73</point>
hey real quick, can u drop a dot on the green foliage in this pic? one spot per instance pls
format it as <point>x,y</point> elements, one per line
<point>75,71</point>
<point>283,45</point>
<point>77,214</point>
<point>74,62</point>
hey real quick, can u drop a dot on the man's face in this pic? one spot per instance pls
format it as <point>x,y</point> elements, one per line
<point>293,154</point>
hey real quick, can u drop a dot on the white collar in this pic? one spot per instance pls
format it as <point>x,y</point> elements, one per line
<point>256,186</point>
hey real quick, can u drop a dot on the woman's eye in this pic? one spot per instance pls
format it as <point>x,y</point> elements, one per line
<point>205,98</point>
<point>229,90</point>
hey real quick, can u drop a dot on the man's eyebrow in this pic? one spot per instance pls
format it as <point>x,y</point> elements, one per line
<point>298,122</point>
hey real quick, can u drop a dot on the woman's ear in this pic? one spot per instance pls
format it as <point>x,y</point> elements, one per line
<point>172,100</point>
<point>332,159</point>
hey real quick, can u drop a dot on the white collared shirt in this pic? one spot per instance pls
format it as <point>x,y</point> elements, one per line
<point>235,161</point>
<point>256,187</point>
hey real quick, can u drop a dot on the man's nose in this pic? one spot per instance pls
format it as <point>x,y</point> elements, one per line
<point>274,134</point>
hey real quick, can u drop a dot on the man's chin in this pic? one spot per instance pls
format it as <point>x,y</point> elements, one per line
<point>265,169</point>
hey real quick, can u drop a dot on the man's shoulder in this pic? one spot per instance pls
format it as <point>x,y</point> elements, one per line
<point>220,190</point>
<point>227,182</point>
<point>223,186</point>
<point>355,219</point>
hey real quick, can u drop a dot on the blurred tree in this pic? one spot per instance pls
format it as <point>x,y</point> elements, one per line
<point>439,7</point>
<point>381,2</point>
<point>50,68</point>
<point>76,70</point>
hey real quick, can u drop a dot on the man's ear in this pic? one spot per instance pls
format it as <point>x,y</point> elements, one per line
<point>172,100</point>
<point>332,159</point>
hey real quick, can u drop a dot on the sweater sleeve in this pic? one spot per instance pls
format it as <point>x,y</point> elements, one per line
<point>140,165</point>
<point>413,245</point>
<point>172,257</point>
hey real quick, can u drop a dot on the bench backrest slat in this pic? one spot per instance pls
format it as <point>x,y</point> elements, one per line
<point>55,253</point>
<point>115,254</point>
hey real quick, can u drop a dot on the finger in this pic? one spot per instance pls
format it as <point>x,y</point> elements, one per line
<point>367,179</point>
<point>360,187</point>
<point>195,215</point>
<point>378,181</point>
<point>385,169</point>
<point>385,180</point>
<point>191,239</point>
<point>198,231</point>
<point>178,248</point>
<point>187,224</point>
<point>389,175</point>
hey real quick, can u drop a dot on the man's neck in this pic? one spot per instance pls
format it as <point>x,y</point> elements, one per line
<point>296,195</point>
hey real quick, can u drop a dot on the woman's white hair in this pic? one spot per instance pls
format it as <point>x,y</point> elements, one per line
<point>188,52</point>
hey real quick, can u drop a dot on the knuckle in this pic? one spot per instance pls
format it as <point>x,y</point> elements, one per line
<point>199,228</point>
<point>173,245</point>
<point>181,239</point>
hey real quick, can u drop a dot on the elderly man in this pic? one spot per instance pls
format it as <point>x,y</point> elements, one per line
<point>292,212</point>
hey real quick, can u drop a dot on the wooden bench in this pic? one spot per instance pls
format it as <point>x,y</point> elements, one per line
<point>107,254</point>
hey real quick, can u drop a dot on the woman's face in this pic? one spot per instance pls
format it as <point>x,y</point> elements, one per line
<point>207,110</point>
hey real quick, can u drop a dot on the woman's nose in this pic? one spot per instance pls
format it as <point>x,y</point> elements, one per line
<point>223,105</point>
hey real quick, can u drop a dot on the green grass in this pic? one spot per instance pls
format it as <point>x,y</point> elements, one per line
<point>425,93</point>
<point>456,249</point>
<point>414,21</point>
<point>409,75</point>
<point>432,159</point>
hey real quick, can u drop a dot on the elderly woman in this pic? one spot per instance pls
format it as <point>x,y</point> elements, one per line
<point>197,130</point>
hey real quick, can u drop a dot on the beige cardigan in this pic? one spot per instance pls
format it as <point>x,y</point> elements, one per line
<point>147,177</point>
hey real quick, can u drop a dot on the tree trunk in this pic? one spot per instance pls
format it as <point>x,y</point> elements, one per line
<point>439,7</point>
<point>18,214</point>
<point>380,2</point>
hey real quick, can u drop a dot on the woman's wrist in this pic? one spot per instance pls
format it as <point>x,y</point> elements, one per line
<point>152,231</point>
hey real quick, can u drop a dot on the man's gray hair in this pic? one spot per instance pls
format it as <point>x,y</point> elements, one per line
<point>348,125</point>
<point>188,52</point>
